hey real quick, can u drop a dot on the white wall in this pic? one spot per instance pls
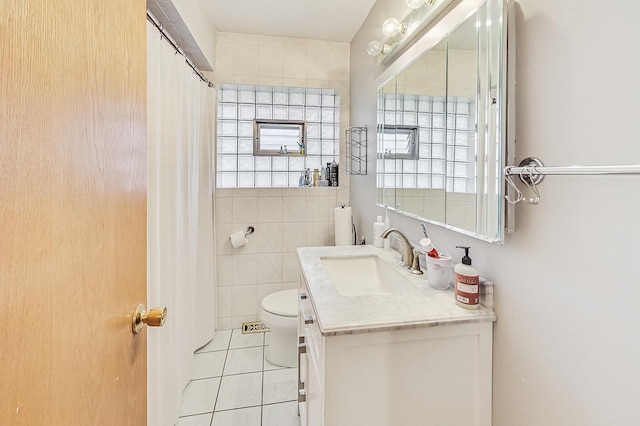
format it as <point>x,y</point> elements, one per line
<point>567,341</point>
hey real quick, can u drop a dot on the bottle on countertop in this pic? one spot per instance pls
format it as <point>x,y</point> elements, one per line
<point>467,285</point>
<point>378,229</point>
<point>316,177</point>
<point>387,225</point>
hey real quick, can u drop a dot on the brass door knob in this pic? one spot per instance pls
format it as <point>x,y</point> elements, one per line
<point>155,317</point>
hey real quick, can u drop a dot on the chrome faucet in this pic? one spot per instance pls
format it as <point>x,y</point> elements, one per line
<point>410,259</point>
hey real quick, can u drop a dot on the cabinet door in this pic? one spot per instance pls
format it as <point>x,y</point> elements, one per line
<point>314,388</point>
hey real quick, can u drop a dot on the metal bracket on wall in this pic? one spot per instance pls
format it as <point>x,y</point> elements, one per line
<point>532,171</point>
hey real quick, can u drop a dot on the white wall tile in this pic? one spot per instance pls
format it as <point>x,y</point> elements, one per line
<point>269,238</point>
<point>270,192</point>
<point>245,210</point>
<point>245,269</point>
<point>317,234</point>
<point>270,81</point>
<point>294,209</point>
<point>223,210</point>
<point>224,58</point>
<point>290,267</point>
<point>318,64</point>
<point>245,300</point>
<point>224,270</point>
<point>270,61</point>
<point>223,301</point>
<point>245,60</point>
<point>224,323</point>
<point>270,209</point>
<point>269,268</point>
<point>317,210</point>
<point>295,63</point>
<point>293,236</point>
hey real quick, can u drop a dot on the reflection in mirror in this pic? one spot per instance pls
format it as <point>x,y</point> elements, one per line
<point>453,95</point>
<point>399,141</point>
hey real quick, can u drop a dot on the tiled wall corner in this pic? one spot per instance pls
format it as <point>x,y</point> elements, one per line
<point>284,218</point>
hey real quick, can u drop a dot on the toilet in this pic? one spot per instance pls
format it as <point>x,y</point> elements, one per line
<point>280,313</point>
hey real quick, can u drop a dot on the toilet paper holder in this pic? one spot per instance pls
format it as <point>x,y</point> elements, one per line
<point>239,239</point>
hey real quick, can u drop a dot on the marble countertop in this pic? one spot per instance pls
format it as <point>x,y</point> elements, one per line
<point>427,307</point>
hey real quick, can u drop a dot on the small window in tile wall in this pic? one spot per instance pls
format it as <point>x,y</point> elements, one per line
<point>240,106</point>
<point>446,156</point>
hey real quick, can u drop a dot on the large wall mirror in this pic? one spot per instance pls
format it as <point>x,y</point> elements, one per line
<point>453,94</point>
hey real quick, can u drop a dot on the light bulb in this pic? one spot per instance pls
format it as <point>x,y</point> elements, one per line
<point>374,48</point>
<point>414,4</point>
<point>392,26</point>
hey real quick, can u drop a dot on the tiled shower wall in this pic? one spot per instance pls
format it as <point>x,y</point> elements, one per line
<point>284,218</point>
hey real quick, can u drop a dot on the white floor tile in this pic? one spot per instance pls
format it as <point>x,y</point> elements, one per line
<point>280,385</point>
<point>242,390</point>
<point>268,366</point>
<point>208,364</point>
<point>220,342</point>
<point>245,360</point>
<point>199,396</point>
<point>282,414</point>
<point>241,417</point>
<point>199,420</point>
<point>239,340</point>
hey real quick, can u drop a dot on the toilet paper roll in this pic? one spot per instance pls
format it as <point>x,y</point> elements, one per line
<point>238,239</point>
<point>343,226</point>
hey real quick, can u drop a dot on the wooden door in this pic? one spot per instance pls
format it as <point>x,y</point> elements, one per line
<point>72,212</point>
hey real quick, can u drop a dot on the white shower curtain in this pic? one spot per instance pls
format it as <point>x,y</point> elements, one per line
<point>180,125</point>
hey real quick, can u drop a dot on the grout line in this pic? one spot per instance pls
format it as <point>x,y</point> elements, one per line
<point>224,364</point>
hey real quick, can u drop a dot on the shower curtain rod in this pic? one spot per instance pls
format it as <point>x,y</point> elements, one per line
<point>177,48</point>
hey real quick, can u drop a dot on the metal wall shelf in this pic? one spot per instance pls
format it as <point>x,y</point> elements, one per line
<point>356,138</point>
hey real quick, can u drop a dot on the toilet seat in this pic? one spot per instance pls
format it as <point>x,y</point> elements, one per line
<point>283,303</point>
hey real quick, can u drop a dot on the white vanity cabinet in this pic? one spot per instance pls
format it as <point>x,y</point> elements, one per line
<point>410,375</point>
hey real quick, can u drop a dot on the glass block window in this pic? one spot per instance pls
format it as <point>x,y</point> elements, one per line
<point>446,146</point>
<point>239,105</point>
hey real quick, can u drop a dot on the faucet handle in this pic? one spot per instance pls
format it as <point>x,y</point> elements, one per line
<point>415,264</point>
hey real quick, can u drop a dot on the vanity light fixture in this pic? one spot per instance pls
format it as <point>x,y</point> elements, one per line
<point>397,33</point>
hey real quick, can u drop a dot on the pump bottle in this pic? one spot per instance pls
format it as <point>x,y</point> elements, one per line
<point>378,229</point>
<point>467,286</point>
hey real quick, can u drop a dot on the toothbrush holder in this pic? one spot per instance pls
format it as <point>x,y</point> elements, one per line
<point>440,271</point>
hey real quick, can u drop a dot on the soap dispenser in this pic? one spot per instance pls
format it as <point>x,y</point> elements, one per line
<point>467,286</point>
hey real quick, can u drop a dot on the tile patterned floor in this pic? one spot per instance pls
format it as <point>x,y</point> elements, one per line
<point>234,385</point>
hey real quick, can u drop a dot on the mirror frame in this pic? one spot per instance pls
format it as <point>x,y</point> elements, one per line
<point>434,33</point>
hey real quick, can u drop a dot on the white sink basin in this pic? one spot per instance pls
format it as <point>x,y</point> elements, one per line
<point>365,275</point>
